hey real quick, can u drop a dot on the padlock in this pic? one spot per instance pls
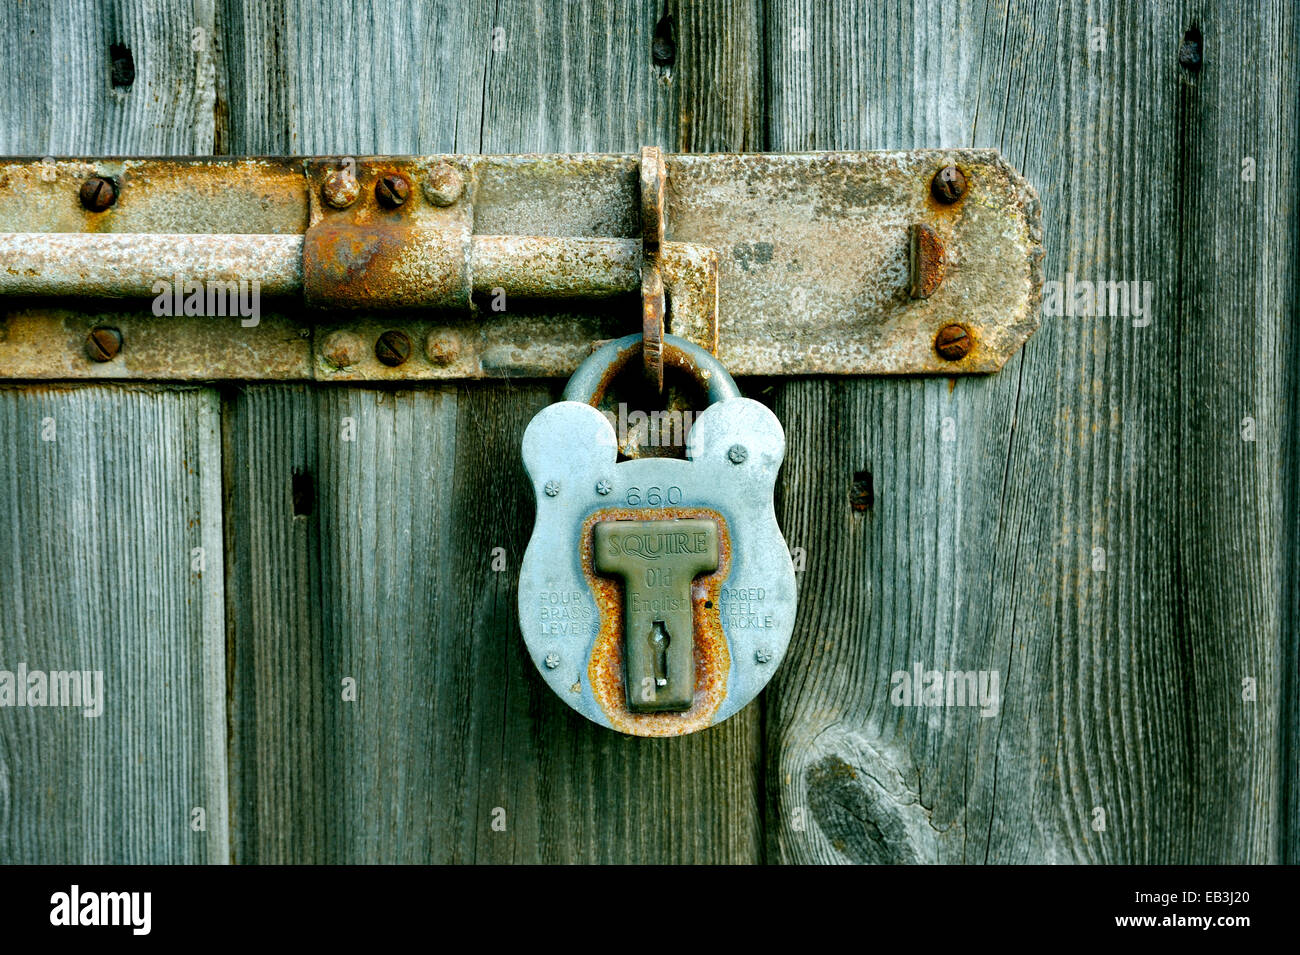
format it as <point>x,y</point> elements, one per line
<point>657,595</point>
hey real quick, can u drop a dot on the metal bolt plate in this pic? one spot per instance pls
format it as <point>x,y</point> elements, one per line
<point>810,254</point>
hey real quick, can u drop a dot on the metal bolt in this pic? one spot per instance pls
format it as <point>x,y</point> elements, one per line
<point>103,343</point>
<point>552,488</point>
<point>953,342</point>
<point>441,348</point>
<point>393,348</point>
<point>603,487</point>
<point>98,193</point>
<point>392,190</point>
<point>341,189</point>
<point>948,185</point>
<point>444,185</point>
<point>763,655</point>
<point>552,661</point>
<point>737,454</point>
<point>342,349</point>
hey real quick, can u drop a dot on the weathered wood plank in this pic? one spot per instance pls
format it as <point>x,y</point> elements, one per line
<point>337,519</point>
<point>110,561</point>
<point>996,501</point>
<point>100,525</point>
<point>89,78</point>
<point>387,578</point>
<point>390,577</point>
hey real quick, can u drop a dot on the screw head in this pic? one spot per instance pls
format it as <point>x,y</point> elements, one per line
<point>103,343</point>
<point>948,185</point>
<point>953,342</point>
<point>603,487</point>
<point>737,454</point>
<point>552,661</point>
<point>340,189</point>
<point>392,190</point>
<point>441,347</point>
<point>763,655</point>
<point>552,488</point>
<point>393,348</point>
<point>342,349</point>
<point>98,193</point>
<point>444,185</point>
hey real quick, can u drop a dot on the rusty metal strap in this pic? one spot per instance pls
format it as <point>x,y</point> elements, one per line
<point>844,263</point>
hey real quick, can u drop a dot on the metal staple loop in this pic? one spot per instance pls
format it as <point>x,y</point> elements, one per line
<point>652,286</point>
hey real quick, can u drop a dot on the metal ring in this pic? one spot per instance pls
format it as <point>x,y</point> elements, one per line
<point>593,376</point>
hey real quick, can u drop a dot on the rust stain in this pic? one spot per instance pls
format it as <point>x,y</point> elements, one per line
<point>928,260</point>
<point>605,670</point>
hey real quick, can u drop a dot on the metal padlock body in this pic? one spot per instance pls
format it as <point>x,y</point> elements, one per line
<point>743,612</point>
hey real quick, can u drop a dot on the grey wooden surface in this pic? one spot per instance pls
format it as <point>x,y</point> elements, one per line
<point>99,526</point>
<point>1122,688</point>
<point>371,558</point>
<point>107,492</point>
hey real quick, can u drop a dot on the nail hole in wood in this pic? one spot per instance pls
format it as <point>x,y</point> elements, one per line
<point>663,48</point>
<point>1191,53</point>
<point>861,493</point>
<point>304,493</point>
<point>122,66</point>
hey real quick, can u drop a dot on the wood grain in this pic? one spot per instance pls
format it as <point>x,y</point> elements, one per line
<point>108,494</point>
<point>390,578</point>
<point>986,508</point>
<point>99,526</point>
<point>995,499</point>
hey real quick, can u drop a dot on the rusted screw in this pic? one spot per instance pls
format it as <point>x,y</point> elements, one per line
<point>953,342</point>
<point>98,193</point>
<point>444,185</point>
<point>340,189</point>
<point>103,343</point>
<point>343,349</point>
<point>392,190</point>
<point>441,348</point>
<point>393,348</point>
<point>948,185</point>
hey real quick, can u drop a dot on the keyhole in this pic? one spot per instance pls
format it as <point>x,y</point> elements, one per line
<point>659,640</point>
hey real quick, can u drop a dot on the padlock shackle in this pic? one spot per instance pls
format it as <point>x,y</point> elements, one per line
<point>594,375</point>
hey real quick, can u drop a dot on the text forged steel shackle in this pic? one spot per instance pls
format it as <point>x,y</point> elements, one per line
<point>657,595</point>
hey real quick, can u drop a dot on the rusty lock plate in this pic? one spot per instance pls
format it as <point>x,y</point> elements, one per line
<point>657,561</point>
<point>823,263</point>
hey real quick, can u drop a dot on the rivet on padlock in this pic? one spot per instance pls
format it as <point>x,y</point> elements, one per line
<point>656,594</point>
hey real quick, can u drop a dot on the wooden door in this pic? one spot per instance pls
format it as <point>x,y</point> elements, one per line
<point>1107,523</point>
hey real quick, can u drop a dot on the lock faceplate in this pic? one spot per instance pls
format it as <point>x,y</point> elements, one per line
<point>658,561</point>
<point>573,617</point>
